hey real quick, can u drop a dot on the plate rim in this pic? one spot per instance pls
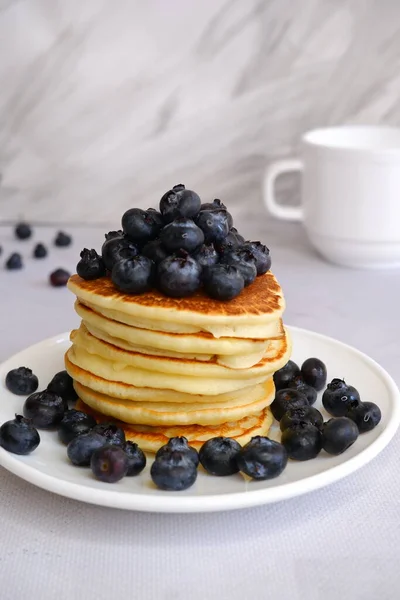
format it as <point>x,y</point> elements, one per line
<point>178,502</point>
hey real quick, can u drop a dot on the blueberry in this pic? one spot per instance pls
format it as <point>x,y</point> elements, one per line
<point>62,240</point>
<point>223,282</point>
<point>239,238</point>
<point>338,434</point>
<point>297,416</point>
<point>39,251</point>
<point>219,456</point>
<point>46,409</point>
<point>285,375</point>
<point>140,225</point>
<point>217,205</point>
<point>136,458</point>
<point>206,256</point>
<point>232,240</point>
<point>314,373</point>
<point>366,415</point>
<point>19,436</point>
<point>157,216</point>
<point>262,458</point>
<point>109,464</point>
<point>261,255</point>
<point>113,434</point>
<point>214,225</point>
<point>21,381</point>
<point>182,233</point>
<point>59,278</point>
<point>117,248</point>
<point>300,385</point>
<point>111,235</point>
<point>133,275</point>
<point>303,442</point>
<point>338,396</point>
<point>244,260</point>
<point>81,448</point>
<point>179,202</point>
<point>285,400</point>
<point>23,231</point>
<point>91,266</point>
<point>174,471</point>
<point>14,262</point>
<point>178,275</point>
<point>74,423</point>
<point>155,251</point>
<point>179,444</point>
<point>62,384</point>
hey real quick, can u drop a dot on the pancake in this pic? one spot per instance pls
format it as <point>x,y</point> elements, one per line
<point>258,305</point>
<point>121,372</point>
<point>137,394</point>
<point>195,343</point>
<point>276,354</point>
<point>150,439</point>
<point>162,413</point>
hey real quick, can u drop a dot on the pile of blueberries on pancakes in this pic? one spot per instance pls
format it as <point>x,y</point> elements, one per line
<point>183,247</point>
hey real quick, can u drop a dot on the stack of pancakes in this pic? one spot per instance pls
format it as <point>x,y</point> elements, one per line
<point>193,367</point>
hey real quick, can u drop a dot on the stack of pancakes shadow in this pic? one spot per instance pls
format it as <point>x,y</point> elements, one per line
<point>165,367</point>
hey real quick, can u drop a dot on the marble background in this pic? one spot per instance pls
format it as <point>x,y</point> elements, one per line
<point>106,104</point>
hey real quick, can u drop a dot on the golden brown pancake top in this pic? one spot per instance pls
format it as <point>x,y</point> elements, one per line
<point>261,297</point>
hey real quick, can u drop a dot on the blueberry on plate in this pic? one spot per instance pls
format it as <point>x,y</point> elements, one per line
<point>19,436</point>
<point>91,266</point>
<point>206,256</point>
<point>338,434</point>
<point>182,234</point>
<point>45,409</point>
<point>174,471</point>
<point>285,375</point>
<point>297,416</point>
<point>285,400</point>
<point>21,381</point>
<point>366,415</point>
<point>178,275</point>
<point>244,260</point>
<point>117,248</point>
<point>62,384</point>
<point>74,423</point>
<point>219,456</point>
<point>14,262</point>
<point>223,282</point>
<point>314,373</point>
<point>155,250</point>
<point>303,442</point>
<point>23,231</point>
<point>133,275</point>
<point>179,444</point>
<point>81,448</point>
<point>298,383</point>
<point>261,255</point>
<point>62,239</point>
<point>214,225</point>
<point>140,226</point>
<point>59,278</point>
<point>39,251</point>
<point>179,202</point>
<point>109,464</point>
<point>113,434</point>
<point>136,458</point>
<point>338,397</point>
<point>262,458</point>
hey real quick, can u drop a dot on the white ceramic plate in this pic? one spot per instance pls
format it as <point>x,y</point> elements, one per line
<point>48,467</point>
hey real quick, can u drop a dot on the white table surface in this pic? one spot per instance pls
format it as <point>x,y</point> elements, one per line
<point>342,542</point>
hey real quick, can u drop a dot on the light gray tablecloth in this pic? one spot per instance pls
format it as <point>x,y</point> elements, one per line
<point>342,542</point>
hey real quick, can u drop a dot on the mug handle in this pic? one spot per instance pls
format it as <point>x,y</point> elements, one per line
<point>288,213</point>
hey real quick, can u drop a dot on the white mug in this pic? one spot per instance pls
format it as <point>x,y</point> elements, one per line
<point>350,203</point>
